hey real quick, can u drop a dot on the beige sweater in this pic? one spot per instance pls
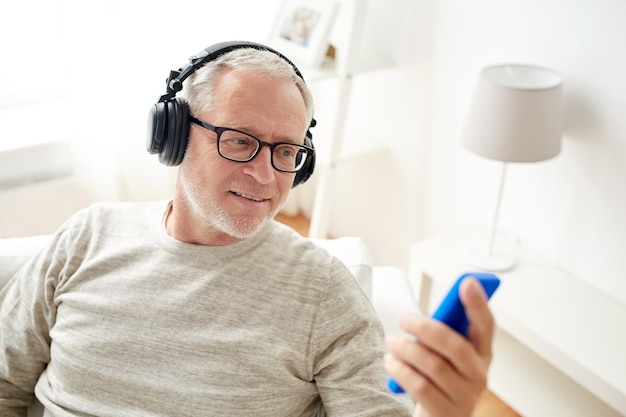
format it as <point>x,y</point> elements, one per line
<point>115,318</point>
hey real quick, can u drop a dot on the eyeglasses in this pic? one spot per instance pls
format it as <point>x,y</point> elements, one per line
<point>238,146</point>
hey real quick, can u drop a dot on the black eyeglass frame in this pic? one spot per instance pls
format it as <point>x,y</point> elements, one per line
<point>219,130</point>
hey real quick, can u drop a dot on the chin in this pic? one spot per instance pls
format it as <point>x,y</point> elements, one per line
<point>241,228</point>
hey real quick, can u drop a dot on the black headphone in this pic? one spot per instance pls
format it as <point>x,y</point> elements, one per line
<point>168,121</point>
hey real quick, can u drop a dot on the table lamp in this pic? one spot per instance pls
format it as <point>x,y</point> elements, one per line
<point>515,116</point>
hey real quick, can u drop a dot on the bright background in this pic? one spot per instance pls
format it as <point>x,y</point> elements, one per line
<point>82,75</point>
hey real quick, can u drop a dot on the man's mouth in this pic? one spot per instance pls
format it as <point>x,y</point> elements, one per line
<point>249,197</point>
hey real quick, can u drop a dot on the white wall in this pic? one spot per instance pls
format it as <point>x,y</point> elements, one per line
<point>570,209</point>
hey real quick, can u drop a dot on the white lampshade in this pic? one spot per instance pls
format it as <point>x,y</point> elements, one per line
<point>515,115</point>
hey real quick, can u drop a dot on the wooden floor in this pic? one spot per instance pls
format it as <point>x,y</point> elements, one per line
<point>489,404</point>
<point>299,223</point>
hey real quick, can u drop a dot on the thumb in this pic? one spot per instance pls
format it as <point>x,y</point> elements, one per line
<point>481,320</point>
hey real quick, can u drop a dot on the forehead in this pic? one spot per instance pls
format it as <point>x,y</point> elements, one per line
<point>258,103</point>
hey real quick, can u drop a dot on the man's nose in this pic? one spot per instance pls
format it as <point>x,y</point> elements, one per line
<point>261,166</point>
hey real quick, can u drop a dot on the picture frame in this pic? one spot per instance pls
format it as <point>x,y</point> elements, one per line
<point>301,30</point>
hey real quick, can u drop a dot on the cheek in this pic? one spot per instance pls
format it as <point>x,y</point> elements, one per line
<point>285,185</point>
<point>286,180</point>
<point>201,163</point>
<point>202,154</point>
<point>201,149</point>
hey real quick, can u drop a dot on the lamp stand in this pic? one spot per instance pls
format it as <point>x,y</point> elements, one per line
<point>485,256</point>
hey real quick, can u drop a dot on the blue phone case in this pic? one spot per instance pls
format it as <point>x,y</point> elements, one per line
<point>451,311</point>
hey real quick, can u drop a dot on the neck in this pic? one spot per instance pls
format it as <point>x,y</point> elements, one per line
<point>189,232</point>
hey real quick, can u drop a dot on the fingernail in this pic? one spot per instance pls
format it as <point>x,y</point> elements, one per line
<point>475,289</point>
<point>391,339</point>
<point>405,320</point>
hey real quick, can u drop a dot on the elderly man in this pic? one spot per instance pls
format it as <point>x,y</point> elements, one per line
<point>203,304</point>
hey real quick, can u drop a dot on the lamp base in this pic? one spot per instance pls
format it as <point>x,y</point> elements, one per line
<point>482,259</point>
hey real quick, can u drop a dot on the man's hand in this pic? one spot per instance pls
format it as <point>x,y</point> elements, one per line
<point>444,372</point>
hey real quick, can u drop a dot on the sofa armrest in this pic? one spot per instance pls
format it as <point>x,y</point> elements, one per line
<point>354,254</point>
<point>14,252</point>
<point>391,296</point>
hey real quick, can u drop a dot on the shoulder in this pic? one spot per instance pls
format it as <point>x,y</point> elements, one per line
<point>293,248</point>
<point>110,214</point>
<point>123,209</point>
<point>110,220</point>
<point>337,263</point>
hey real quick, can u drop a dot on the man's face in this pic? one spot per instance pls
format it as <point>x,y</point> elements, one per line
<point>229,200</point>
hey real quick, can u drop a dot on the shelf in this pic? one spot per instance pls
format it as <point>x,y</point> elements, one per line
<point>566,321</point>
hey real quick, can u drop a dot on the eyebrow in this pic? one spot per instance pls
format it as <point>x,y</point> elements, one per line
<point>250,130</point>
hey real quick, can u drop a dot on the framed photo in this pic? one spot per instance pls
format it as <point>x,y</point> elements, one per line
<point>301,30</point>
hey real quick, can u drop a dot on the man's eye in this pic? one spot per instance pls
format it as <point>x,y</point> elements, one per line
<point>240,141</point>
<point>287,152</point>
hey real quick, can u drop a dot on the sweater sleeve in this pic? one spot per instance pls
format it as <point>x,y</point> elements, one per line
<point>348,346</point>
<point>27,314</point>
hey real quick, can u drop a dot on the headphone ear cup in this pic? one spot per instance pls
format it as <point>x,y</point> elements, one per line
<point>177,132</point>
<point>309,165</point>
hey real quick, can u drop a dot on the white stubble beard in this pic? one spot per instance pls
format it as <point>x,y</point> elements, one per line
<point>205,206</point>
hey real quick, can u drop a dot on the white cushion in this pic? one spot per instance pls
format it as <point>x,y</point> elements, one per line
<point>354,254</point>
<point>392,296</point>
<point>14,252</point>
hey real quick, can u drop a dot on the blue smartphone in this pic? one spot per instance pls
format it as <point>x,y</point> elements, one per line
<point>451,311</point>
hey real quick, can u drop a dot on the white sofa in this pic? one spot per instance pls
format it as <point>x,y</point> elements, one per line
<point>385,286</point>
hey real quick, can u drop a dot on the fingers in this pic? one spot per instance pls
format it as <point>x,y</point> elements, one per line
<point>421,389</point>
<point>430,378</point>
<point>441,358</point>
<point>420,358</point>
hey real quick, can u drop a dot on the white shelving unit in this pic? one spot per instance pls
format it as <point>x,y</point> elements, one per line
<point>347,35</point>
<point>560,344</point>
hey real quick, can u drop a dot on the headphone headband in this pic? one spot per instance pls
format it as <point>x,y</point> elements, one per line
<point>174,82</point>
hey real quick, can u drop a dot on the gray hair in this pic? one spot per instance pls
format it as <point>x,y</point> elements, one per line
<point>199,87</point>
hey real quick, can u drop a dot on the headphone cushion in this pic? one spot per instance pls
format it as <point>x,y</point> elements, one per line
<point>167,150</point>
<point>181,115</point>
<point>156,128</point>
<point>309,165</point>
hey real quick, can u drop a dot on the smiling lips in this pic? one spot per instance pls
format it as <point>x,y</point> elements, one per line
<point>250,197</point>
